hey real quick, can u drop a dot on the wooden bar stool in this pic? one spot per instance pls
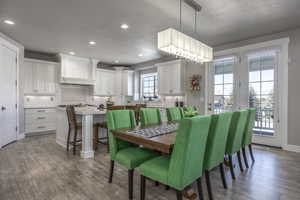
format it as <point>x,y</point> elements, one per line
<point>75,127</point>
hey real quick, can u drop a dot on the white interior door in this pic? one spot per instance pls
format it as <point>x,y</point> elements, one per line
<point>8,91</point>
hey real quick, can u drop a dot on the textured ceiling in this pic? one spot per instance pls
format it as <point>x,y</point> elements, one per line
<point>67,25</point>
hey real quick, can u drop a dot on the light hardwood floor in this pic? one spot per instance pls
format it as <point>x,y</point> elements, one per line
<point>36,168</point>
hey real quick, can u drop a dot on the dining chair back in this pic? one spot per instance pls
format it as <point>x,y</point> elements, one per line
<point>235,137</point>
<point>150,116</point>
<point>247,139</point>
<point>217,139</point>
<point>117,119</point>
<point>174,114</point>
<point>187,158</point>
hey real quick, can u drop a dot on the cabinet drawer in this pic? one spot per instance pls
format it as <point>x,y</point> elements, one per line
<point>40,118</point>
<point>39,111</point>
<point>40,127</point>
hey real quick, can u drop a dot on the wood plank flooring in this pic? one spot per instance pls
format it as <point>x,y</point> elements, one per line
<point>36,168</point>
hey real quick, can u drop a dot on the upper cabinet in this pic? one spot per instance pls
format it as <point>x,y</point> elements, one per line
<point>105,82</point>
<point>40,77</point>
<point>127,82</point>
<point>171,78</point>
<point>77,70</point>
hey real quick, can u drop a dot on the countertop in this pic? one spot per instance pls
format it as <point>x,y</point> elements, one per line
<point>88,110</point>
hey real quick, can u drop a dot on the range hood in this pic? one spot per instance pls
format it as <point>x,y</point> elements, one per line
<point>77,70</point>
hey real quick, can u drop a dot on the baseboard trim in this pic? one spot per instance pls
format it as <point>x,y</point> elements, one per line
<point>293,148</point>
<point>21,136</point>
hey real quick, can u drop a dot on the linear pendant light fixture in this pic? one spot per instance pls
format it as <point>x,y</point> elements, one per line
<point>181,45</point>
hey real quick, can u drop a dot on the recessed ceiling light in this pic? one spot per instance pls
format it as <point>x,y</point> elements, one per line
<point>116,61</point>
<point>140,55</point>
<point>124,26</point>
<point>92,42</point>
<point>72,53</point>
<point>9,22</point>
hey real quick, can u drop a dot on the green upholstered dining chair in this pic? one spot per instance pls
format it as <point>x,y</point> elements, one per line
<point>124,153</point>
<point>216,146</point>
<point>174,114</point>
<point>150,116</point>
<point>184,166</point>
<point>247,139</point>
<point>235,137</point>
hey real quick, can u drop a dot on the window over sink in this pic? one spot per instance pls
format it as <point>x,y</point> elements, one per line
<point>149,87</point>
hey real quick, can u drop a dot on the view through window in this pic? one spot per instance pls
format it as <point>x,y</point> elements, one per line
<point>149,86</point>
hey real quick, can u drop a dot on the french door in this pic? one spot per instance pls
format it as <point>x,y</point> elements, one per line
<point>248,80</point>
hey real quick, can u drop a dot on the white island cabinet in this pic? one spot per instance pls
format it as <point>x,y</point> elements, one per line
<point>86,116</point>
<point>77,70</point>
<point>171,78</point>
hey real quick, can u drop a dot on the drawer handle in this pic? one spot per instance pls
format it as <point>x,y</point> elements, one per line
<point>41,127</point>
<point>41,111</point>
<point>41,118</point>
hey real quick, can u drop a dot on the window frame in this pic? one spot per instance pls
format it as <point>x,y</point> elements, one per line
<point>155,87</point>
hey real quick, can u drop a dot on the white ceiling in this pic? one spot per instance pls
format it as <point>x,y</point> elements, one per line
<point>61,26</point>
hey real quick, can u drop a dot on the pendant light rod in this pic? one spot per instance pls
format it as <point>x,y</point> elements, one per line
<point>194,5</point>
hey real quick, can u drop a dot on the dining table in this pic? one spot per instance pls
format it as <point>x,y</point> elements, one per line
<point>159,137</point>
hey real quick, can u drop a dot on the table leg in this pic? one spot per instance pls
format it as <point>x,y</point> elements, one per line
<point>87,137</point>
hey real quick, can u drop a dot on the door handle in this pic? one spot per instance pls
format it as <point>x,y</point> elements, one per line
<point>3,108</point>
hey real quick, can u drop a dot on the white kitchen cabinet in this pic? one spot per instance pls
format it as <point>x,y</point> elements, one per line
<point>105,83</point>
<point>171,78</point>
<point>40,77</point>
<point>77,70</point>
<point>127,82</point>
<point>40,120</point>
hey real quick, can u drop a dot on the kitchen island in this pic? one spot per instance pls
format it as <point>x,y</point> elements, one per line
<point>86,116</point>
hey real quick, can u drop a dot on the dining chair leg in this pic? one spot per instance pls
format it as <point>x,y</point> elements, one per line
<point>223,176</point>
<point>240,161</point>
<point>111,172</point>
<point>68,139</point>
<point>156,183</point>
<point>107,143</point>
<point>179,195</point>
<point>251,153</point>
<point>96,138</point>
<point>74,142</point>
<point>208,184</point>
<point>130,183</point>
<point>143,187</point>
<point>200,191</point>
<point>231,167</point>
<point>167,187</point>
<point>245,157</point>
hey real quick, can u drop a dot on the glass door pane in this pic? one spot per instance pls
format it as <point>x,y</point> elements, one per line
<point>223,84</point>
<point>261,91</point>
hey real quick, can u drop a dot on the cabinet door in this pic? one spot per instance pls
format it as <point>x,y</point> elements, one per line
<point>28,76</point>
<point>164,80</point>
<point>50,79</point>
<point>98,89</point>
<point>127,83</point>
<point>111,83</point>
<point>175,80</point>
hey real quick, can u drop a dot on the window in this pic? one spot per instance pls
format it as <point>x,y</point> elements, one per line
<point>149,86</point>
<point>223,85</point>
<point>261,90</point>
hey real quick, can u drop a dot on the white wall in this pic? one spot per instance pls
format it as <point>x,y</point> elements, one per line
<point>294,78</point>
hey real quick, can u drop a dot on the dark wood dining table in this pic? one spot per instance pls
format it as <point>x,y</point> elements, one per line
<point>163,143</point>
